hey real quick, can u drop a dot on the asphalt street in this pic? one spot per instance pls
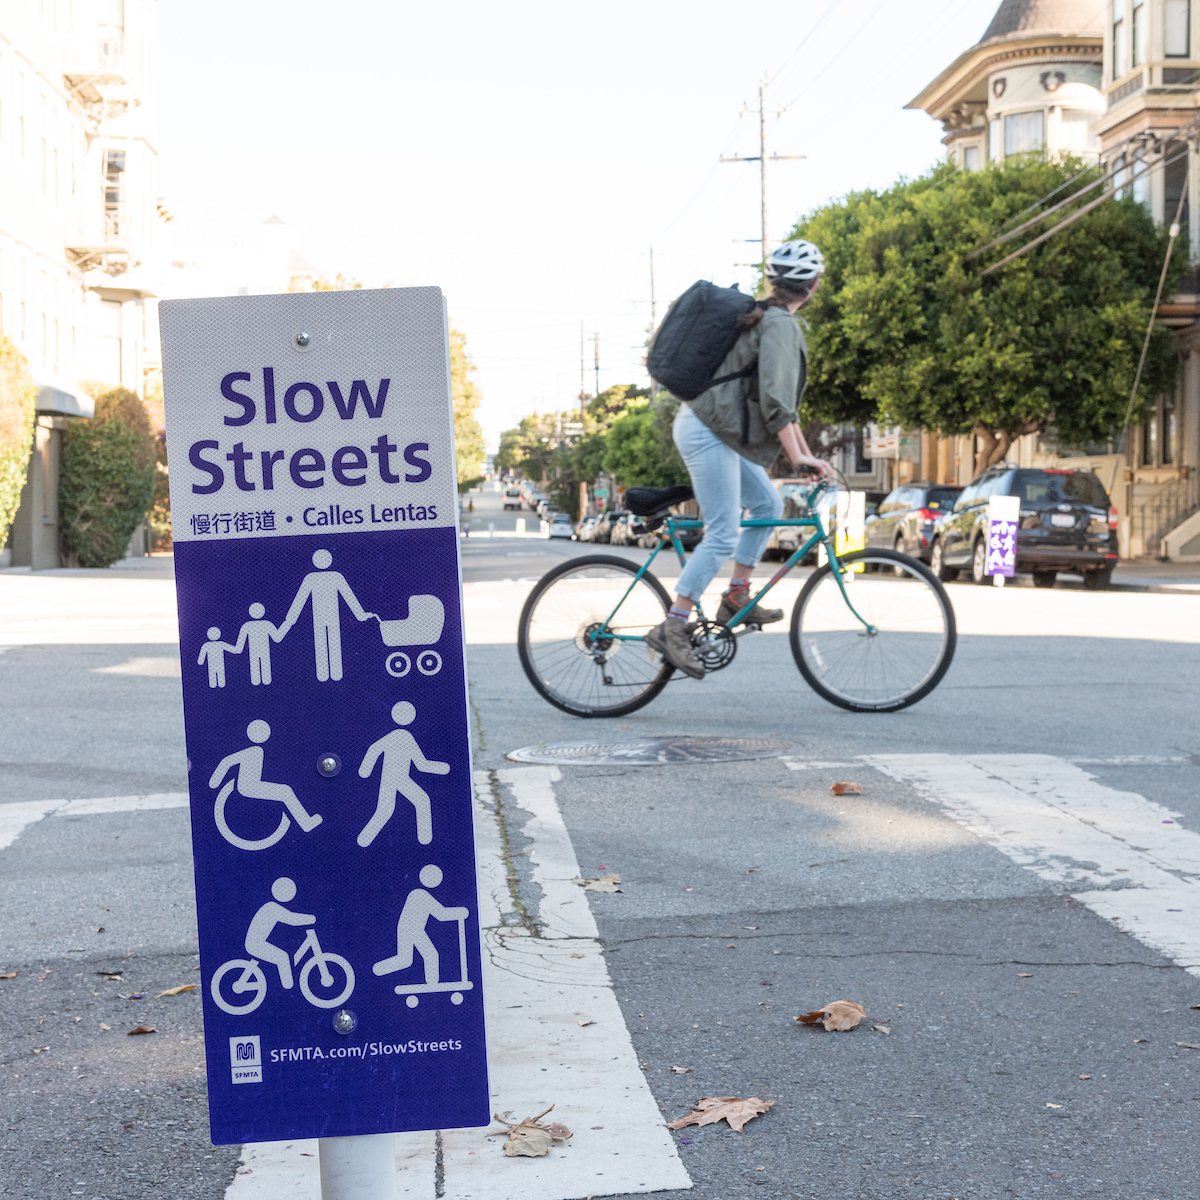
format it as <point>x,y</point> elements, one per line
<point>1034,1047</point>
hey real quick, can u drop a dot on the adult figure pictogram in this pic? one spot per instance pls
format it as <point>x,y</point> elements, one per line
<point>326,589</point>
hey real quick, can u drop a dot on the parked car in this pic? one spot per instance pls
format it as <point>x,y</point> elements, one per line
<point>534,500</point>
<point>626,529</point>
<point>560,525</point>
<point>512,498</point>
<point>1067,523</point>
<point>904,519</point>
<point>604,525</point>
<point>586,529</point>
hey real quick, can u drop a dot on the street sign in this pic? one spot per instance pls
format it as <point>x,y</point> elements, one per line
<point>311,447</point>
<point>1004,515</point>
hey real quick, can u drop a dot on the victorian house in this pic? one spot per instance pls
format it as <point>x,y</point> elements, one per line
<point>1118,84</point>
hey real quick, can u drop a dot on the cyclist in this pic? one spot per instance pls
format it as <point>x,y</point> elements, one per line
<point>263,923</point>
<point>729,436</point>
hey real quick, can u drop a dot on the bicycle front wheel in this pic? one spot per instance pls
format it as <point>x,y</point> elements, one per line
<point>895,654</point>
<point>580,634</point>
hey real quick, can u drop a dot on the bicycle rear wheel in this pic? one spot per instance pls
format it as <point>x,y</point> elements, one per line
<point>566,637</point>
<point>904,655</point>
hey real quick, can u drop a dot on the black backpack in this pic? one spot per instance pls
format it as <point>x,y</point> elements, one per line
<point>697,333</point>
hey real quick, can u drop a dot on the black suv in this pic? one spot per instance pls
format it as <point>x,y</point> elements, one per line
<point>904,520</point>
<point>1067,524</point>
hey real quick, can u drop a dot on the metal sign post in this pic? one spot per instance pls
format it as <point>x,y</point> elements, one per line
<point>313,488</point>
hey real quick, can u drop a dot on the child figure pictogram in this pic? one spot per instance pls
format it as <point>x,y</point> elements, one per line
<point>213,652</point>
<point>257,635</point>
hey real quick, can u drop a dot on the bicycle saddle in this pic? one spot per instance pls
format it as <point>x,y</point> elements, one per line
<point>651,502</point>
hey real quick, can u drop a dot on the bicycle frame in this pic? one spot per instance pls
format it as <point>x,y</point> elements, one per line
<point>812,521</point>
<point>310,943</point>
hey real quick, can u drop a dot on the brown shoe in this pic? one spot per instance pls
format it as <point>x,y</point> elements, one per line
<point>756,616</point>
<point>673,640</point>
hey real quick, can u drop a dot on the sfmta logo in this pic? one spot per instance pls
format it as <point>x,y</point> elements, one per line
<point>246,1052</point>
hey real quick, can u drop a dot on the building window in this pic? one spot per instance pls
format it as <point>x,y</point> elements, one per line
<point>1118,39</point>
<point>862,464</point>
<point>1170,430</point>
<point>970,160</point>
<point>995,144</point>
<point>1150,442</point>
<point>114,191</point>
<point>1177,29</point>
<point>1174,177</point>
<point>1140,187</point>
<point>1120,176</point>
<point>1138,41</point>
<point>1024,132</point>
<point>1075,132</point>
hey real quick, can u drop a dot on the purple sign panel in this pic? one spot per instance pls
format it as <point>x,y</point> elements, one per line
<point>1004,514</point>
<point>313,493</point>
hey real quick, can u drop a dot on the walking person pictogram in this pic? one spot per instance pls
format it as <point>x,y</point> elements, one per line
<point>400,752</point>
<point>213,652</point>
<point>326,589</point>
<point>257,635</point>
<point>248,781</point>
<point>412,939</point>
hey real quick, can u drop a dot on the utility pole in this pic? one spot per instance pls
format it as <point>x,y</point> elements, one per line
<point>582,374</point>
<point>596,336</point>
<point>654,389</point>
<point>762,158</point>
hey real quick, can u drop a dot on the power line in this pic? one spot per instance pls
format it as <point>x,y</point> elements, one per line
<point>853,38</point>
<point>803,41</point>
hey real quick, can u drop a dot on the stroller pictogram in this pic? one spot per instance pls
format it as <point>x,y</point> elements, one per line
<point>422,627</point>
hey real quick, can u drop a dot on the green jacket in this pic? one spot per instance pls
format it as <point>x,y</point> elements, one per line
<point>770,398</point>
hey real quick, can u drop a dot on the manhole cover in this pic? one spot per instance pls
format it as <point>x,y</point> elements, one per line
<point>653,752</point>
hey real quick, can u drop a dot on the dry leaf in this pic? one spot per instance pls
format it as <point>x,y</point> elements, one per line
<point>881,1029</point>
<point>39,1049</point>
<point>733,1109</point>
<point>530,1138</point>
<point>577,956</point>
<point>103,1026</point>
<point>606,883</point>
<point>584,1024</point>
<point>141,1029</point>
<point>839,1016</point>
<point>10,975</point>
<point>1024,974</point>
<point>681,1070</point>
<point>1188,1045</point>
<point>175,991</point>
<point>1049,1105</point>
<point>1085,1077</point>
<point>846,789</point>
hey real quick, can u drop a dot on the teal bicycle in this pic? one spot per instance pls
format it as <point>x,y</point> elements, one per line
<point>871,631</point>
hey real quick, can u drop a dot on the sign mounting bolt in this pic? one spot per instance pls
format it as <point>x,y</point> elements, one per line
<point>302,339</point>
<point>344,1021</point>
<point>329,765</point>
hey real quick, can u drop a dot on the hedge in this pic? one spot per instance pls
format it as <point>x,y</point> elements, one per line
<point>106,480</point>
<point>18,396</point>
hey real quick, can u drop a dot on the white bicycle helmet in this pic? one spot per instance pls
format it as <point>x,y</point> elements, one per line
<point>796,262</point>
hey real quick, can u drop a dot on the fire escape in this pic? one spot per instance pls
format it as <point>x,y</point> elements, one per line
<point>97,79</point>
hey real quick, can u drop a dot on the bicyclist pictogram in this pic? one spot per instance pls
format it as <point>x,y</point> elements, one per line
<point>336,976</point>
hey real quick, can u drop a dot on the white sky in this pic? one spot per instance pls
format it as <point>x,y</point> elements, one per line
<point>525,157</point>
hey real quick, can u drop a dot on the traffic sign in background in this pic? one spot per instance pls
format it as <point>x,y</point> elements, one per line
<point>313,488</point>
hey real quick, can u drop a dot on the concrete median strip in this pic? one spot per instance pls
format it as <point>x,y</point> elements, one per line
<point>1125,857</point>
<point>538,981</point>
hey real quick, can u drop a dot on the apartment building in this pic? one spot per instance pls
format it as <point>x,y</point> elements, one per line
<point>79,219</point>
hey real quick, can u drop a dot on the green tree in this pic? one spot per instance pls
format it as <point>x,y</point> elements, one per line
<point>907,331</point>
<point>18,396</point>
<point>468,433</point>
<point>639,451</point>
<point>106,479</point>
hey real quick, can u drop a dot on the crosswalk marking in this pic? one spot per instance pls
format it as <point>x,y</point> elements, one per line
<point>1125,857</point>
<point>538,989</point>
<point>15,818</point>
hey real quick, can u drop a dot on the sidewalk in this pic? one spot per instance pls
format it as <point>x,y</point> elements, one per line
<point>1149,575</point>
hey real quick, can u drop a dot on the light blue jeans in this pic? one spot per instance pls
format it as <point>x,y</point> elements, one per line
<point>724,483</point>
